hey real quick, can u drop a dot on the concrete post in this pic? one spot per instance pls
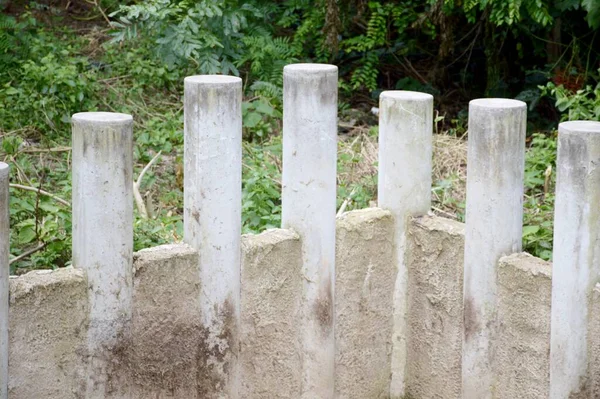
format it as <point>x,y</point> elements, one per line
<point>4,272</point>
<point>405,151</point>
<point>494,224</point>
<point>576,258</point>
<point>213,220</point>
<point>103,236</point>
<point>309,206</point>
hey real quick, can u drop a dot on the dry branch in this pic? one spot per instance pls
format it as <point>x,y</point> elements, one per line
<point>42,192</point>
<point>139,201</point>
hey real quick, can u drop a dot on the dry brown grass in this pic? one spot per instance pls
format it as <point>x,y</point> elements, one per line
<point>449,167</point>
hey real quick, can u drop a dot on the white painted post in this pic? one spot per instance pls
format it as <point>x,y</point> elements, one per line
<point>309,206</point>
<point>4,272</point>
<point>404,187</point>
<point>213,219</point>
<point>494,225</point>
<point>576,258</point>
<point>103,234</point>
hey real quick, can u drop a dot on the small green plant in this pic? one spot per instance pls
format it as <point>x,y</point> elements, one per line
<point>540,162</point>
<point>584,104</point>
<point>261,186</point>
<point>260,118</point>
<point>47,92</point>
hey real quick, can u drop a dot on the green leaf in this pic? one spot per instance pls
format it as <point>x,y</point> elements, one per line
<point>593,9</point>
<point>252,119</point>
<point>529,230</point>
<point>50,208</point>
<point>26,235</point>
<point>265,108</point>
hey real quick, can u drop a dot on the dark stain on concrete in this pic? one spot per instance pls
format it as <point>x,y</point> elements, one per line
<point>324,308</point>
<point>211,382</point>
<point>471,321</point>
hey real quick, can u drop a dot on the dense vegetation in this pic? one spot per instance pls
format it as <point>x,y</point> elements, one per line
<point>61,57</point>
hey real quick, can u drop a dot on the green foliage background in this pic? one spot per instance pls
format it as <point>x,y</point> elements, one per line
<point>58,58</point>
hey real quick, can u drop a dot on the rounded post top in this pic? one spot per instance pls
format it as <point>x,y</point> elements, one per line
<point>497,103</point>
<point>405,95</point>
<point>310,69</point>
<point>4,169</point>
<point>102,118</point>
<point>213,80</point>
<point>579,127</point>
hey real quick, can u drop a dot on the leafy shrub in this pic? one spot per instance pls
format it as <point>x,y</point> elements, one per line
<point>47,92</point>
<point>584,104</point>
<point>15,40</point>
<point>540,163</point>
<point>207,33</point>
<point>261,186</point>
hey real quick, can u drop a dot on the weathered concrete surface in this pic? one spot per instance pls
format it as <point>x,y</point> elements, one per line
<point>212,217</point>
<point>521,363</point>
<point>103,235</point>
<point>594,344</point>
<point>365,278</point>
<point>165,357</point>
<point>48,335</point>
<point>576,256</point>
<point>308,207</point>
<point>435,248</point>
<point>4,272</point>
<point>161,358</point>
<point>404,188</point>
<point>494,225</point>
<point>271,335</point>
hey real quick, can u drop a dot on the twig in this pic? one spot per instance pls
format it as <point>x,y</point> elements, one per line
<point>412,68</point>
<point>444,213</point>
<point>113,78</point>
<point>345,203</point>
<point>139,201</point>
<point>95,3</point>
<point>547,177</point>
<point>31,251</point>
<point>56,149</point>
<point>40,191</point>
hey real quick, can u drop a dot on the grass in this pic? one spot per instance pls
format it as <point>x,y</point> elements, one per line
<point>88,74</point>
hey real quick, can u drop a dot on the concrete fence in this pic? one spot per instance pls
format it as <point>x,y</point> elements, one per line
<point>388,302</point>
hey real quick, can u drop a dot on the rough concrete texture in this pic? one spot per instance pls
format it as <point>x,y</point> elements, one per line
<point>103,235</point>
<point>4,272</point>
<point>404,187</point>
<point>48,335</point>
<point>165,357</point>
<point>162,359</point>
<point>212,219</point>
<point>594,344</point>
<point>521,363</point>
<point>576,256</point>
<point>435,308</point>
<point>308,201</point>
<point>495,172</point>
<point>271,366</point>
<point>365,278</point>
